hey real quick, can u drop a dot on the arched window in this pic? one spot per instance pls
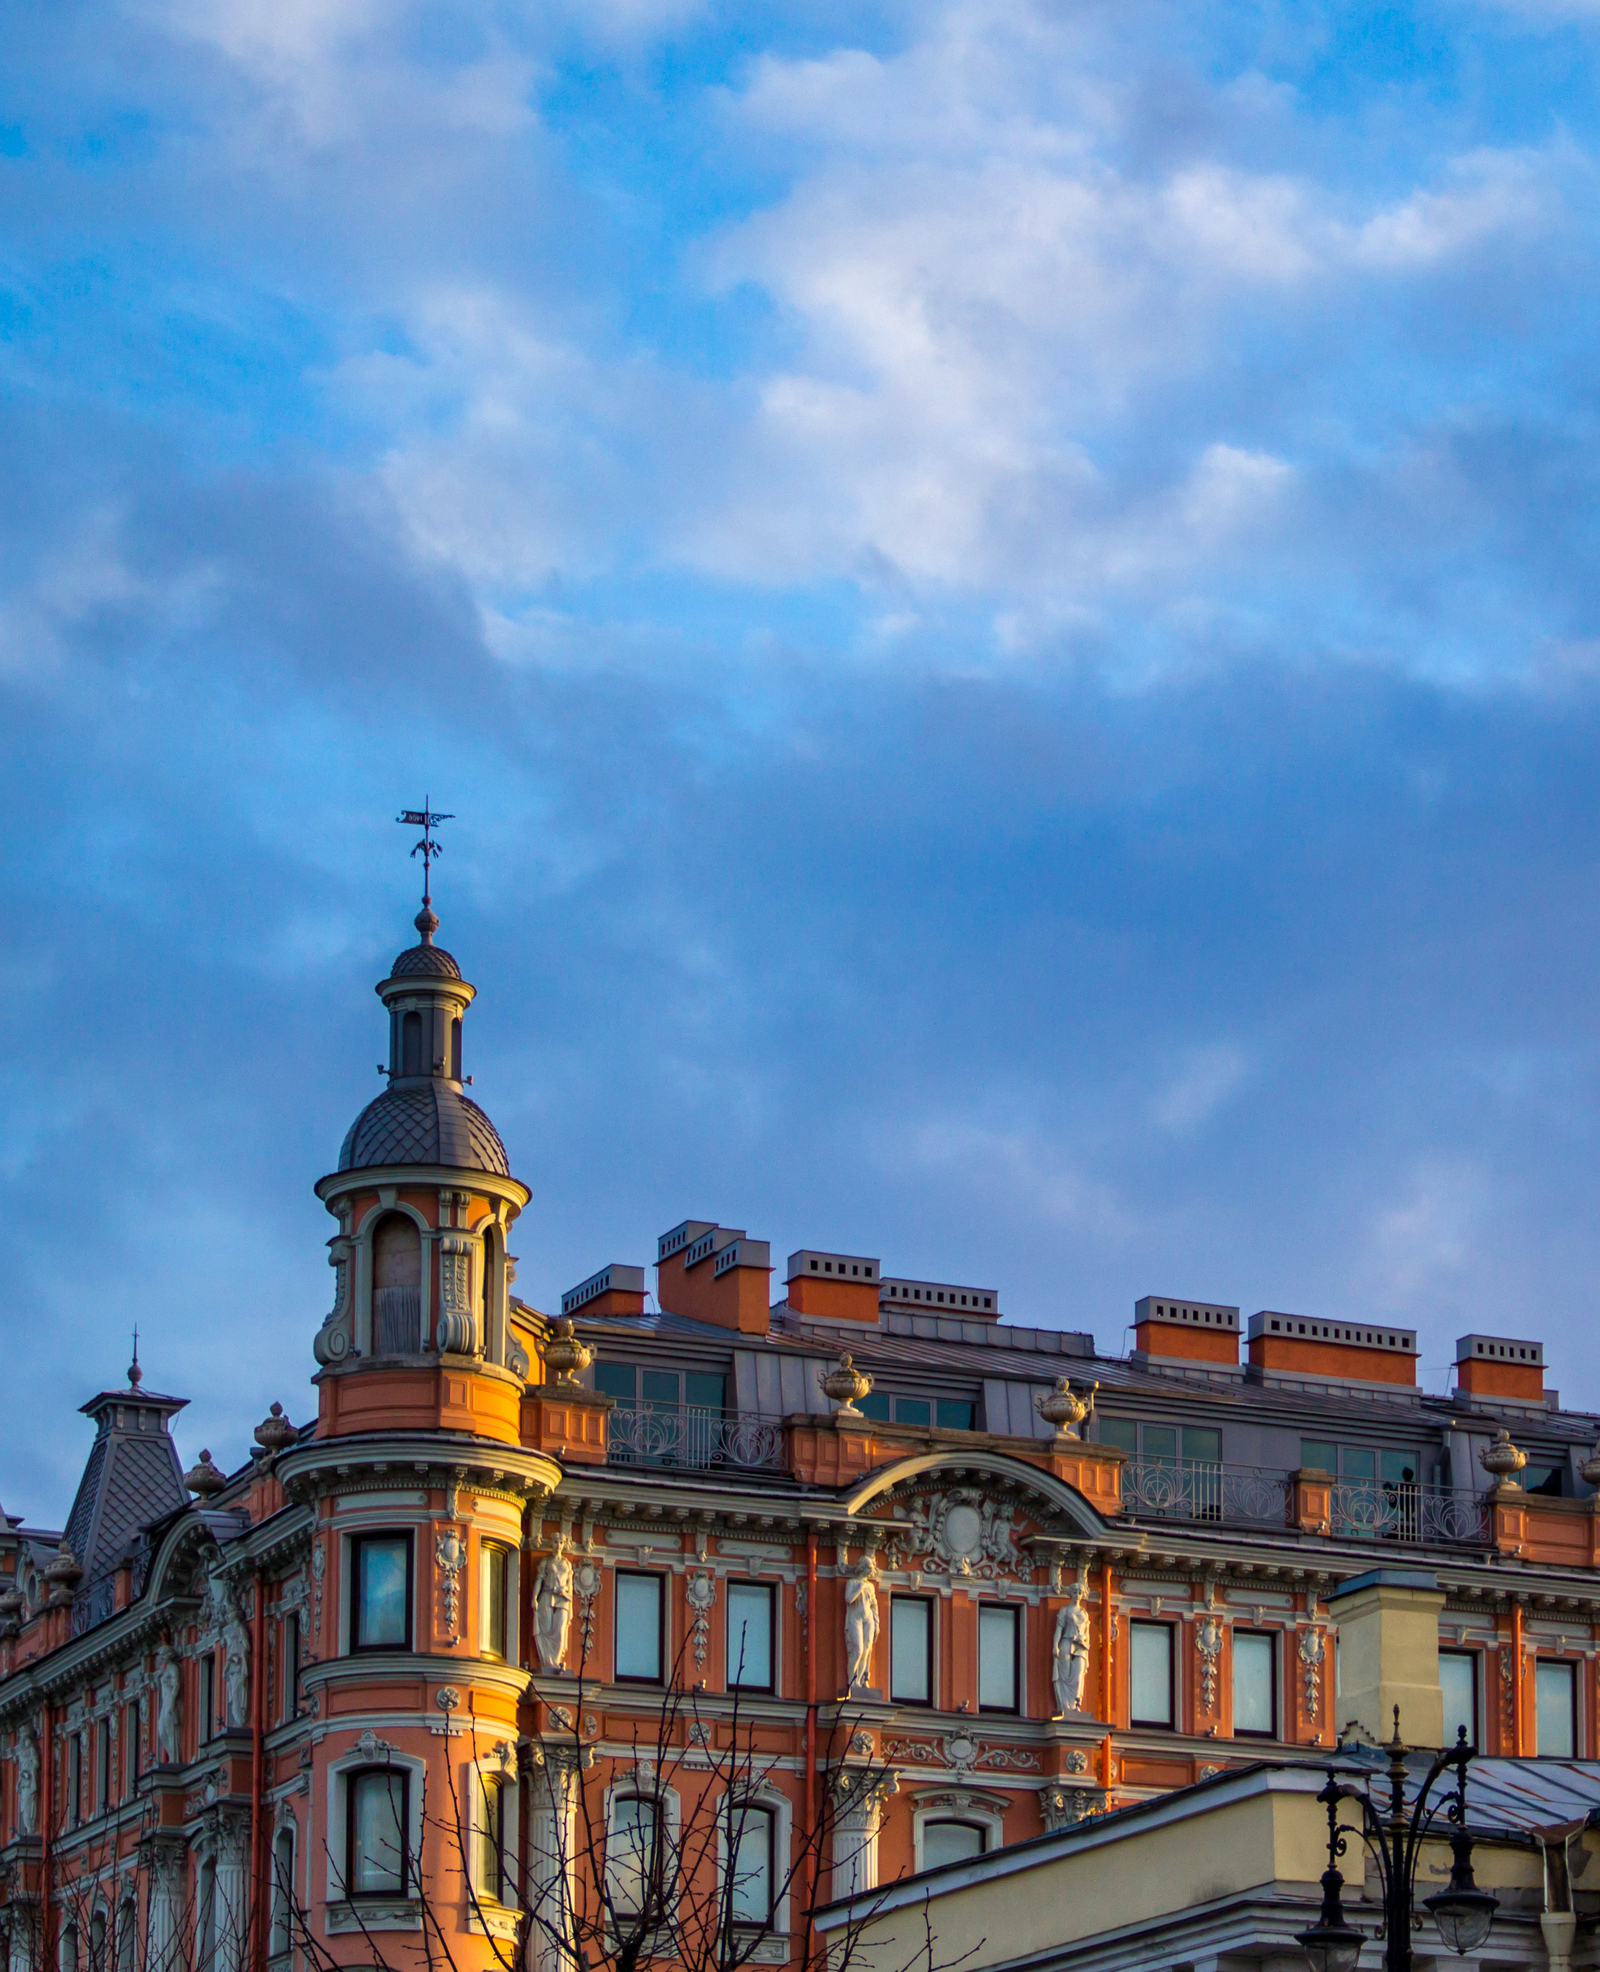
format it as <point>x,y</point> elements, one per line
<point>492,1839</point>
<point>376,1848</point>
<point>205,1930</point>
<point>950,1841</point>
<point>281,1936</point>
<point>411,1044</point>
<point>752,1840</point>
<point>128,1935</point>
<point>455,1049</point>
<point>633,1855</point>
<point>396,1287</point>
<point>69,1948</point>
<point>488,1266</point>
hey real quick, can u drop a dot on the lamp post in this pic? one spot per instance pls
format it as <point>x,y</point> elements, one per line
<point>1395,1837</point>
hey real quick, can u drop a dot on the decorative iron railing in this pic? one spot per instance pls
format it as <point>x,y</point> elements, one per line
<point>1406,1511</point>
<point>691,1437</point>
<point>1196,1489</point>
<point>396,1321</point>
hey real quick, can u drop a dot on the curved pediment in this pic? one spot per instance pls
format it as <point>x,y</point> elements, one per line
<point>1056,1500</point>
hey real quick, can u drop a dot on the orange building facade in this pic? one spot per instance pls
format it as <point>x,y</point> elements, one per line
<point>438,1677</point>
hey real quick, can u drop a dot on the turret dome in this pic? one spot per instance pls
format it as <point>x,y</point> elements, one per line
<point>429,1124</point>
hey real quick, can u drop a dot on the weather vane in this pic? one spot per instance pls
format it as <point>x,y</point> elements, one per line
<point>424,818</point>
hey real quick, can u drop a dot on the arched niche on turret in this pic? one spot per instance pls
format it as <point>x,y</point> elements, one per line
<point>391,1252</point>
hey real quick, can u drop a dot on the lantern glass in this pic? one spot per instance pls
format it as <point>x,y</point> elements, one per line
<point>1331,1947</point>
<point>1463,1918</point>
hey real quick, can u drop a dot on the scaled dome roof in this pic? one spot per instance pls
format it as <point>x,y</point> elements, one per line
<point>428,1124</point>
<point>425,961</point>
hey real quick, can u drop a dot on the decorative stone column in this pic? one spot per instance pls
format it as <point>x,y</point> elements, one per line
<point>166,1860</point>
<point>1063,1802</point>
<point>233,1891</point>
<point>859,1797</point>
<point>557,1770</point>
<point>22,1936</point>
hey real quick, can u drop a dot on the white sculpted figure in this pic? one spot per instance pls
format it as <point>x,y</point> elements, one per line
<point>169,1706</point>
<point>27,1782</point>
<point>552,1608</point>
<point>1071,1664</point>
<point>236,1671</point>
<point>861,1619</point>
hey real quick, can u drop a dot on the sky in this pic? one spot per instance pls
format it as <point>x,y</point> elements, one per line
<point>1004,598</point>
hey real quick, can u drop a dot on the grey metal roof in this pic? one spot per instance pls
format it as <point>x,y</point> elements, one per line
<point>424,1123</point>
<point>425,962</point>
<point>131,1478</point>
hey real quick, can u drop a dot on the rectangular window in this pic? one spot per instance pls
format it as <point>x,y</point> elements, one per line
<point>1555,1692</point>
<point>705,1390</point>
<point>639,1606</point>
<point>750,1635</point>
<point>753,1871</point>
<point>75,1755</point>
<point>956,1414</point>
<point>619,1380</point>
<point>207,1724</point>
<point>1358,1464</point>
<point>1151,1673</point>
<point>291,1666</point>
<point>1255,1683</point>
<point>1158,1444</point>
<point>1319,1455</point>
<point>104,1777</point>
<point>998,1632</point>
<point>1458,1680</point>
<point>380,1578</point>
<point>1202,1445</point>
<point>130,1726</point>
<point>911,1649</point>
<point>875,1404</point>
<point>494,1593</point>
<point>1121,1432</point>
<point>913,1410</point>
<point>376,1860</point>
<point>492,1841</point>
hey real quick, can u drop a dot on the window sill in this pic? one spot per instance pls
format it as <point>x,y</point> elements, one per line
<point>495,1919</point>
<point>375,1914</point>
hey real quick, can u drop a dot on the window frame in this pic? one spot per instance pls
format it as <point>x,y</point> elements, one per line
<point>131,1721</point>
<point>730,1649</point>
<point>619,1576</point>
<point>744,1812</point>
<point>928,1605</point>
<point>490,1824</point>
<point>1570,1671</point>
<point>488,1549</point>
<point>371,1538</point>
<point>353,1778</point>
<point>1274,1655</point>
<point>1475,1668</point>
<point>1169,1723</point>
<point>105,1766</point>
<point>650,1874</point>
<point>1018,1616</point>
<point>292,1664</point>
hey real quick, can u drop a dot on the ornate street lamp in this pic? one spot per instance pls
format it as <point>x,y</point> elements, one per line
<point>1462,1911</point>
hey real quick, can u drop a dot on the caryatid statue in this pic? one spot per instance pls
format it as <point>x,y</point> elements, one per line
<point>236,1668</point>
<point>861,1620</point>
<point>27,1782</point>
<point>552,1608</point>
<point>1070,1665</point>
<point>169,1703</point>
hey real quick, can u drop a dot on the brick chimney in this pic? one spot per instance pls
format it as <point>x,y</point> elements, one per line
<point>1186,1331</point>
<point>840,1287</point>
<point>614,1290</point>
<point>1500,1366</point>
<point>712,1273</point>
<point>1344,1352</point>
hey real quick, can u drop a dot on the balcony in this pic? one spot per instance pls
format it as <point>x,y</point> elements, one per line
<point>1261,1496</point>
<point>700,1440</point>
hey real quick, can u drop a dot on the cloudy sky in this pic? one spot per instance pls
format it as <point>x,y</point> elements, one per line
<point>1005,599</point>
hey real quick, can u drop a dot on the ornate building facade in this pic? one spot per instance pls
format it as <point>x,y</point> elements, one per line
<point>440,1675</point>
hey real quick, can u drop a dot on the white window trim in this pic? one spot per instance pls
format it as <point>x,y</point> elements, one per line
<point>377,1913</point>
<point>1021,1612</point>
<point>504,1773</point>
<point>509,1543</point>
<point>970,1804</point>
<point>348,1536</point>
<point>637,1785</point>
<point>1275,1681</point>
<point>935,1604</point>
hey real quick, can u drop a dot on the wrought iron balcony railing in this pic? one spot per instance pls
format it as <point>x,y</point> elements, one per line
<point>1259,1496</point>
<point>691,1437</point>
<point>1196,1489</point>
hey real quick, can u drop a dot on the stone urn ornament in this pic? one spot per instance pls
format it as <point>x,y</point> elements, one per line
<point>565,1357</point>
<point>1503,1461</point>
<point>1065,1409</point>
<point>1589,1470</point>
<point>845,1384</point>
<point>66,1571</point>
<point>203,1479</point>
<point>275,1431</point>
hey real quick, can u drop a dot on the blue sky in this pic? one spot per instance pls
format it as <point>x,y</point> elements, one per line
<point>1004,596</point>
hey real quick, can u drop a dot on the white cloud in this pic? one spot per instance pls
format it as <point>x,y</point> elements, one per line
<point>1207,1079</point>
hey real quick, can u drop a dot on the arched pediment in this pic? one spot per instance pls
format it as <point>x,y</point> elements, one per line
<point>183,1560</point>
<point>1056,1498</point>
